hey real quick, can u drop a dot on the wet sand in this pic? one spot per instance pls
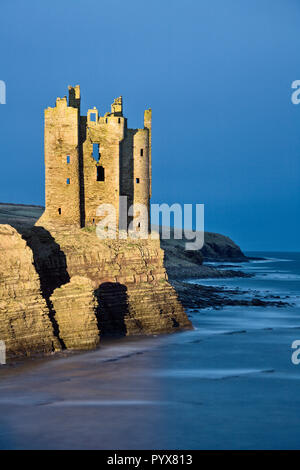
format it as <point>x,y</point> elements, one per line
<point>226,385</point>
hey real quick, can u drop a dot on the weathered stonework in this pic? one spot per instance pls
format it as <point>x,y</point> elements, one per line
<point>128,276</point>
<point>73,287</point>
<point>92,160</point>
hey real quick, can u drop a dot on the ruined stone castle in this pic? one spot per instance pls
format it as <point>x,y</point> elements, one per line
<point>92,160</point>
<point>62,286</point>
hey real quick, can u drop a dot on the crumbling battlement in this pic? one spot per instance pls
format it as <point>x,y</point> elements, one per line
<point>92,160</point>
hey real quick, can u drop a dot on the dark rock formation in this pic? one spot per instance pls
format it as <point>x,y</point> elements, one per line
<point>195,296</point>
<point>221,248</point>
<point>181,263</point>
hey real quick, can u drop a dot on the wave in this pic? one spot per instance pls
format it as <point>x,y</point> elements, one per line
<point>278,276</point>
<point>211,374</point>
<point>104,403</point>
<point>269,260</point>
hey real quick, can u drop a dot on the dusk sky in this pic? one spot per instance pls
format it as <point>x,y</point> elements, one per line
<point>217,75</point>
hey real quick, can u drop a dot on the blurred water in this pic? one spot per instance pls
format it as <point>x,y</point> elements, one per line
<point>229,384</point>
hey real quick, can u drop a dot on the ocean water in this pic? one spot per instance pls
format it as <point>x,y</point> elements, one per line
<point>228,384</point>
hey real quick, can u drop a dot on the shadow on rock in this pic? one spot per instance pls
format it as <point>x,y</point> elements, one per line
<point>51,265</point>
<point>112,308</point>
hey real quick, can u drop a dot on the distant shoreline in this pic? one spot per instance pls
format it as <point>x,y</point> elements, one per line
<point>23,205</point>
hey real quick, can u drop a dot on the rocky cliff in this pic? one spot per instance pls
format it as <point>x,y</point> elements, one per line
<point>66,288</point>
<point>181,263</point>
<point>128,277</point>
<point>25,323</point>
<point>75,307</point>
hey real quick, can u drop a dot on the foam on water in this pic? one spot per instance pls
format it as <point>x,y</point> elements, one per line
<point>278,276</point>
<point>109,403</point>
<point>210,374</point>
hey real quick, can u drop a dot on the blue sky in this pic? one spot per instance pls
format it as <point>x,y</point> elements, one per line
<point>218,78</point>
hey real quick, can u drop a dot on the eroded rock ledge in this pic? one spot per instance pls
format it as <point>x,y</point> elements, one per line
<point>41,309</point>
<point>67,288</point>
<point>25,323</point>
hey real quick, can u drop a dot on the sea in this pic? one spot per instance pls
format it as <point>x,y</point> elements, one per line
<point>231,383</point>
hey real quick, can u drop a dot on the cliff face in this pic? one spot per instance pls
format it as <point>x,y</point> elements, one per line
<point>66,288</point>
<point>74,305</point>
<point>221,248</point>
<point>25,324</point>
<point>128,279</point>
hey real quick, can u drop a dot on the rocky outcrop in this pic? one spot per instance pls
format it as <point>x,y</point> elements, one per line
<point>75,309</point>
<point>64,288</point>
<point>181,263</point>
<point>128,277</point>
<point>25,324</point>
<point>221,248</point>
<point>140,308</point>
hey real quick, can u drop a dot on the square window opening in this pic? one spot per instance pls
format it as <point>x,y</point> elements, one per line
<point>100,173</point>
<point>96,152</point>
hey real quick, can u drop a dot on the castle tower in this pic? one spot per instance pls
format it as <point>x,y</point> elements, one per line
<point>141,175</point>
<point>62,164</point>
<point>148,125</point>
<point>93,160</point>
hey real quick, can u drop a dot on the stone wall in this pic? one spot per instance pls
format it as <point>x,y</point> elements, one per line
<point>79,179</point>
<point>108,132</point>
<point>62,179</point>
